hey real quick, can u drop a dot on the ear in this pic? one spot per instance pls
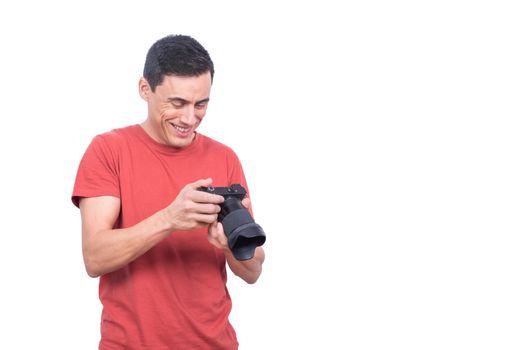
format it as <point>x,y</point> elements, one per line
<point>144,89</point>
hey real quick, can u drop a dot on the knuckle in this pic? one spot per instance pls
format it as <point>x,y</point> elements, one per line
<point>210,219</point>
<point>187,205</point>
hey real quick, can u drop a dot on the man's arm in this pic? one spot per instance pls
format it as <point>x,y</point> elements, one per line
<point>248,270</point>
<point>106,249</point>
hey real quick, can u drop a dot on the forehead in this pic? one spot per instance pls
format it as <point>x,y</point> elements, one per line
<point>186,87</point>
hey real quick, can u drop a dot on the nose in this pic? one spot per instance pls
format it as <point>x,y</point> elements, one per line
<point>189,116</point>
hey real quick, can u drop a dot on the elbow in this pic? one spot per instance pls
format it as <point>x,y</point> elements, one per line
<point>91,269</point>
<point>251,278</point>
<point>92,273</point>
<point>91,265</point>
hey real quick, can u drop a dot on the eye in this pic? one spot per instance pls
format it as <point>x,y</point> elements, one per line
<point>201,105</point>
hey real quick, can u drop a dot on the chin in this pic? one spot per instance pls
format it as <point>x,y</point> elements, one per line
<point>180,143</point>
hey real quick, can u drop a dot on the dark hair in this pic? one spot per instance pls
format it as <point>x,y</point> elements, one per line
<point>178,55</point>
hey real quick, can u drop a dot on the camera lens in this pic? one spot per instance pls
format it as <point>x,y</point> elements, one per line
<point>243,234</point>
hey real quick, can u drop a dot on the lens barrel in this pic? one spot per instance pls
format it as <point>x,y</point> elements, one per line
<point>243,234</point>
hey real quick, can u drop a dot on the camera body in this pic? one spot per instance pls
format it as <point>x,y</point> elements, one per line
<point>243,234</point>
<point>233,192</point>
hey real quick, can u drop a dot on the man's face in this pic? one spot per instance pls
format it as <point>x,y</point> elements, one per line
<point>176,108</point>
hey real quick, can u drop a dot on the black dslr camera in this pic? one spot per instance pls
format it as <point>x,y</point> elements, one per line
<point>243,234</point>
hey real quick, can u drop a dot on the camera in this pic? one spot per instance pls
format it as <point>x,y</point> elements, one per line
<point>243,234</point>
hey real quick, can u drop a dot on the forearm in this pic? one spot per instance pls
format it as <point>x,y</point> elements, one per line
<point>108,250</point>
<point>248,270</point>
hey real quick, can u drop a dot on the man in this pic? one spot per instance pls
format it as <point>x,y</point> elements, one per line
<point>150,235</point>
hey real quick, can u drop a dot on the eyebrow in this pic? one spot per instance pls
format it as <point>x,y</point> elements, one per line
<point>184,101</point>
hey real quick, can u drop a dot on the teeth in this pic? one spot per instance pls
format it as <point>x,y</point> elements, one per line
<point>180,128</point>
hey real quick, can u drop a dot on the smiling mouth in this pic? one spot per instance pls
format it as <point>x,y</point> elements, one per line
<point>180,129</point>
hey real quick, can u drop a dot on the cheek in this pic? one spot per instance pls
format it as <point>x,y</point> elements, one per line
<point>168,113</point>
<point>200,113</point>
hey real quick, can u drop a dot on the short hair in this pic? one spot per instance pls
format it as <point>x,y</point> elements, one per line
<point>178,55</point>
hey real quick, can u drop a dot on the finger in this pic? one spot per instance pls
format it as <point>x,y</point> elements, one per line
<point>220,229</point>
<point>221,234</point>
<point>213,230</point>
<point>216,234</point>
<point>206,208</point>
<point>246,202</point>
<point>204,197</point>
<point>205,218</point>
<point>213,226</point>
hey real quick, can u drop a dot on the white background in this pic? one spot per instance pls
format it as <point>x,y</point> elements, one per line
<point>382,140</point>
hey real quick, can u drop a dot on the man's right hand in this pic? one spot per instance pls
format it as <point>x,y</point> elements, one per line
<point>193,208</point>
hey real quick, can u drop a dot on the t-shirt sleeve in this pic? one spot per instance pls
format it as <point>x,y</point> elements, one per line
<point>98,172</point>
<point>236,173</point>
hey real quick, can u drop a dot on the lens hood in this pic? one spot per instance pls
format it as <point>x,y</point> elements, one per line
<point>243,234</point>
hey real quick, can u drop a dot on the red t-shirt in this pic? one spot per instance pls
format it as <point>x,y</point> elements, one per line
<point>174,296</point>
